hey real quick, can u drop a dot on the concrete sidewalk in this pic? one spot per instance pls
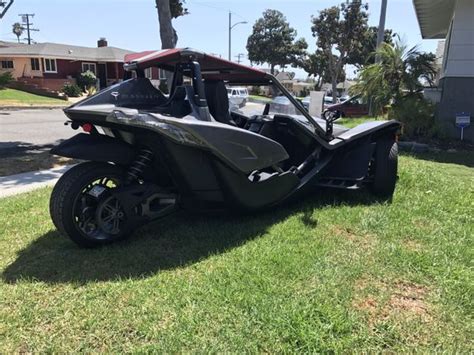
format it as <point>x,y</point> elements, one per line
<point>17,184</point>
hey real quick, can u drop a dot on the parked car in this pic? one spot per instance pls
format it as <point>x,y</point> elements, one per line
<point>238,96</point>
<point>149,155</point>
<point>306,101</point>
<point>352,107</point>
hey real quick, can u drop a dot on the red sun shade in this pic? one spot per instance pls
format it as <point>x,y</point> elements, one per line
<point>212,68</point>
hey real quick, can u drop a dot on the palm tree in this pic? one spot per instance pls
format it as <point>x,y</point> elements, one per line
<point>400,72</point>
<point>18,30</point>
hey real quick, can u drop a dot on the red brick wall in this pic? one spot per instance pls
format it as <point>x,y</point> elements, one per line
<point>53,84</point>
<point>155,73</point>
<point>111,72</point>
<point>67,68</point>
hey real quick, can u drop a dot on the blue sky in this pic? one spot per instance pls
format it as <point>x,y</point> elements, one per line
<point>133,24</point>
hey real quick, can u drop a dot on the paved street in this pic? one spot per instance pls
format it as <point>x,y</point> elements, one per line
<point>26,128</point>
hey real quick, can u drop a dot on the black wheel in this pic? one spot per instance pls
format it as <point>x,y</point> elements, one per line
<point>81,207</point>
<point>385,167</point>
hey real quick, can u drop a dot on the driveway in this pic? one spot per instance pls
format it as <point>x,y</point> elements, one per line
<point>31,129</point>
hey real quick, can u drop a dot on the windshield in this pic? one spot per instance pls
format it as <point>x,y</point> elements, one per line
<point>254,99</point>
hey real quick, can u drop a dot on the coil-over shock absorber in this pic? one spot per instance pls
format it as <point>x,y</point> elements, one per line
<point>141,162</point>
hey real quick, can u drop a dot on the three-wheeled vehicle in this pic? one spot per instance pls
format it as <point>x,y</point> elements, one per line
<point>149,153</point>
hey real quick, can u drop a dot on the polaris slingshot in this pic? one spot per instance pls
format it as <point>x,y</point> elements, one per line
<point>149,154</point>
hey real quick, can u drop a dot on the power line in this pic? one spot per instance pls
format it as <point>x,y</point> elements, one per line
<point>25,18</point>
<point>217,8</point>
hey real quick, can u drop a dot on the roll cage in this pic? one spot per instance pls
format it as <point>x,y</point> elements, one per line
<point>200,66</point>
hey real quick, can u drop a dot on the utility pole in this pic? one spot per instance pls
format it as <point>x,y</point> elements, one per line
<point>5,7</point>
<point>238,56</point>
<point>381,31</point>
<point>230,34</point>
<point>25,18</point>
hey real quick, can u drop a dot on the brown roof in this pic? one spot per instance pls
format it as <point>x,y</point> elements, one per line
<point>65,51</point>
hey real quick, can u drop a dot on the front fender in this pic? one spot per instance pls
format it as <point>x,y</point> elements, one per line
<point>95,147</point>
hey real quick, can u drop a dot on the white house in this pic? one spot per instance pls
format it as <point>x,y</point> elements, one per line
<point>452,20</point>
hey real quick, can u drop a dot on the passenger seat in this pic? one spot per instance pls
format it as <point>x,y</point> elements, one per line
<point>218,101</point>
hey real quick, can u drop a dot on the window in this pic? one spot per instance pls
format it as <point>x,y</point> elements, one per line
<point>149,73</point>
<point>7,64</point>
<point>35,64</point>
<point>162,74</point>
<point>89,67</point>
<point>50,66</point>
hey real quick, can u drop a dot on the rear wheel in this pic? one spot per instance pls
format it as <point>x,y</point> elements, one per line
<point>385,167</point>
<point>82,208</point>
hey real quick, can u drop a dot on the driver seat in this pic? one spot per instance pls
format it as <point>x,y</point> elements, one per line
<point>218,101</point>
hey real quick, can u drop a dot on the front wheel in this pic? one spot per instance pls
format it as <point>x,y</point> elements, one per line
<point>82,208</point>
<point>385,168</point>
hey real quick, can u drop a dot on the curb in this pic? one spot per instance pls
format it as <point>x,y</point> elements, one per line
<point>25,182</point>
<point>20,108</point>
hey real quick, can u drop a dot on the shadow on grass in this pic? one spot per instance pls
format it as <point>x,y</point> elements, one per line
<point>176,241</point>
<point>460,157</point>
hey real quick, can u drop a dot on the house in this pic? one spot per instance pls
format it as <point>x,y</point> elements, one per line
<point>51,65</point>
<point>342,87</point>
<point>453,21</point>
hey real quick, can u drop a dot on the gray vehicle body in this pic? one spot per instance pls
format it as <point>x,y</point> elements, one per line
<point>205,160</point>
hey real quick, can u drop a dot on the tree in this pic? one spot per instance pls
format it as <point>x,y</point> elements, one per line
<point>273,41</point>
<point>18,30</point>
<point>177,8</point>
<point>167,11</point>
<point>399,73</point>
<point>339,31</point>
<point>365,54</point>
<point>316,65</point>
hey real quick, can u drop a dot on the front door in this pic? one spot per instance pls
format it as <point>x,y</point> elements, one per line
<point>102,74</point>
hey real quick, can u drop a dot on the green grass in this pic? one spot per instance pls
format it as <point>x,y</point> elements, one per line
<point>12,97</point>
<point>336,272</point>
<point>260,98</point>
<point>352,122</point>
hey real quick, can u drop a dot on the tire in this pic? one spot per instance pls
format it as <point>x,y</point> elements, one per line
<point>65,198</point>
<point>385,168</point>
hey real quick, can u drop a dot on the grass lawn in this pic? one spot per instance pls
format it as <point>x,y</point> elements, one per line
<point>352,122</point>
<point>336,272</point>
<point>260,98</point>
<point>12,97</point>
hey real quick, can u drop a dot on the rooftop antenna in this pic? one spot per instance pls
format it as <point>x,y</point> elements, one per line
<point>6,5</point>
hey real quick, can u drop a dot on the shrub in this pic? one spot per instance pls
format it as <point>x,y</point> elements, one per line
<point>86,80</point>
<point>256,90</point>
<point>416,114</point>
<point>91,90</point>
<point>72,90</point>
<point>5,78</point>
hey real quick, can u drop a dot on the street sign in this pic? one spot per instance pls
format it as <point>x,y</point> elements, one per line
<point>463,120</point>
